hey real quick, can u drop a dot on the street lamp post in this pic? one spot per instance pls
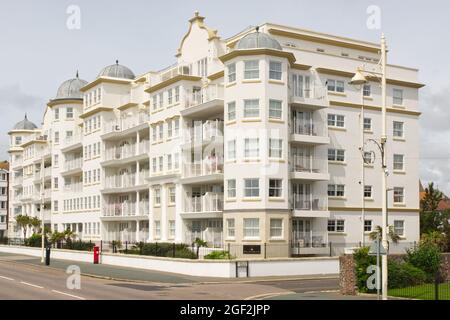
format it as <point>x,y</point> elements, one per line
<point>359,80</point>
<point>382,146</point>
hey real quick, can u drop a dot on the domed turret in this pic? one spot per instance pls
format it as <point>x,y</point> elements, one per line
<point>70,89</point>
<point>258,40</point>
<point>25,124</point>
<point>117,71</point>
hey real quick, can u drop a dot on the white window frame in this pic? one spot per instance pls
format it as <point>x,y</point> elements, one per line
<point>275,109</point>
<point>251,69</point>
<point>231,72</point>
<point>396,163</point>
<point>251,108</point>
<point>275,148</point>
<point>397,97</point>
<point>275,70</point>
<point>251,228</point>
<point>275,188</point>
<point>251,188</point>
<point>251,148</point>
<point>276,231</point>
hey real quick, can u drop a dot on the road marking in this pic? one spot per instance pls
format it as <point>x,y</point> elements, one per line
<point>31,285</point>
<point>6,278</point>
<point>69,295</point>
<point>268,295</point>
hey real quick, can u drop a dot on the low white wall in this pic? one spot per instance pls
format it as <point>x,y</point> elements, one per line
<point>202,268</point>
<point>294,267</point>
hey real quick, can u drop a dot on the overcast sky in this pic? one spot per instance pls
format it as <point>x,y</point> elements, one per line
<point>38,51</point>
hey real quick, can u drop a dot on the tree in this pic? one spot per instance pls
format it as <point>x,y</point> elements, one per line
<point>431,219</point>
<point>430,201</point>
<point>391,234</point>
<point>23,222</point>
<point>199,243</point>
<point>35,223</point>
<point>436,238</point>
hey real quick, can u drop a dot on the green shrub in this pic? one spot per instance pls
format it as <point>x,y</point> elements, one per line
<point>362,262</point>
<point>426,257</point>
<point>34,241</point>
<point>165,249</point>
<point>218,255</point>
<point>79,245</point>
<point>404,274</point>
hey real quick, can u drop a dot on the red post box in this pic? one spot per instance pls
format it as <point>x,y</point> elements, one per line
<point>96,254</point>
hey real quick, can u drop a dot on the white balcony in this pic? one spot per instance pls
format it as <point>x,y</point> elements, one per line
<point>309,167</point>
<point>310,205</point>
<point>72,143</point>
<point>127,123</point>
<point>204,133</point>
<point>125,209</point>
<point>74,187</point>
<point>73,165</point>
<point>173,71</point>
<point>315,97</point>
<point>213,236</point>
<point>204,103</point>
<point>210,170</point>
<point>120,181</point>
<point>210,202</point>
<point>309,242</point>
<point>308,131</point>
<point>127,151</point>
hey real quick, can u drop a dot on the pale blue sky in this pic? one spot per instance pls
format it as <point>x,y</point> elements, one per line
<point>38,52</point>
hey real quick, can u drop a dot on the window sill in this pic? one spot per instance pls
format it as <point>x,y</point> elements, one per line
<point>336,233</point>
<point>251,199</point>
<point>398,139</point>
<point>341,163</point>
<point>368,98</point>
<point>277,160</point>
<point>399,204</point>
<point>399,172</point>
<point>251,120</point>
<point>252,160</point>
<point>368,131</point>
<point>337,198</point>
<point>334,93</point>
<point>230,200</point>
<point>369,199</point>
<point>231,161</point>
<point>251,81</point>
<point>276,120</point>
<point>398,106</point>
<point>255,239</point>
<point>230,84</point>
<point>230,122</point>
<point>336,128</point>
<point>277,82</point>
<point>276,199</point>
<point>368,165</point>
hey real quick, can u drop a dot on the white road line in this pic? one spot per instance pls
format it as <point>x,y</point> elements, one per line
<point>69,295</point>
<point>268,295</point>
<point>6,278</point>
<point>31,285</point>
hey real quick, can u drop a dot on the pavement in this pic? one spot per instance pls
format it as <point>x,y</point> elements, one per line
<point>24,277</point>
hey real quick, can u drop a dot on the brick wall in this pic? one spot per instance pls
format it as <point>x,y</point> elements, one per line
<point>347,275</point>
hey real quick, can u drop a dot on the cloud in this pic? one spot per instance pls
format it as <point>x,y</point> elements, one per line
<point>14,103</point>
<point>435,138</point>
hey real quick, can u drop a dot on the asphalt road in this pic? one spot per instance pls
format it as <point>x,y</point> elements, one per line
<point>20,279</point>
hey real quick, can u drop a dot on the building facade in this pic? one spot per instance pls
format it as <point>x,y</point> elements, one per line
<point>4,197</point>
<point>254,140</point>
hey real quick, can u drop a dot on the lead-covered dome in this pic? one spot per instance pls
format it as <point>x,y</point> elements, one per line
<point>70,89</point>
<point>258,40</point>
<point>25,124</point>
<point>117,71</point>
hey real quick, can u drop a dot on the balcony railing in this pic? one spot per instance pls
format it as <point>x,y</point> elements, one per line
<point>126,123</point>
<point>214,237</point>
<point>121,181</point>
<point>125,209</point>
<point>73,164</point>
<point>307,127</point>
<point>173,71</point>
<point>309,202</point>
<point>205,132</point>
<point>307,163</point>
<point>309,239</point>
<point>119,153</point>
<point>206,94</point>
<point>213,165</point>
<point>74,187</point>
<point>210,202</point>
<point>68,141</point>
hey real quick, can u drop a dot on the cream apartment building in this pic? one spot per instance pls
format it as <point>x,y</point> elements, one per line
<point>251,141</point>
